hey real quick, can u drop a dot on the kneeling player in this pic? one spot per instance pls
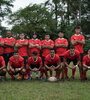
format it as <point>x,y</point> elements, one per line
<point>86,64</point>
<point>16,64</point>
<point>35,65</point>
<point>2,68</point>
<point>52,63</point>
<point>73,56</point>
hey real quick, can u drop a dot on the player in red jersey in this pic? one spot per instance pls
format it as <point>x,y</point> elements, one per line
<point>73,55</point>
<point>9,43</point>
<point>86,64</point>
<point>22,46</point>
<point>47,44</point>
<point>35,64</point>
<point>52,63</point>
<point>1,45</point>
<point>2,68</point>
<point>61,45</point>
<point>78,41</point>
<point>16,65</point>
<point>34,45</point>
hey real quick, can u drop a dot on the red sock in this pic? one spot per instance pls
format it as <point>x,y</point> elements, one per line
<point>73,72</point>
<point>81,76</point>
<point>57,75</point>
<point>41,72</point>
<point>84,74</point>
<point>63,76</point>
<point>11,74</point>
<point>28,72</point>
<point>66,72</point>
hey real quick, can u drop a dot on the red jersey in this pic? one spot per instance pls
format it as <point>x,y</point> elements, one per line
<point>86,60</point>
<point>45,51</point>
<point>2,62</point>
<point>61,50</point>
<point>16,63</point>
<point>22,50</point>
<point>32,62</point>
<point>9,49</point>
<point>78,47</point>
<point>52,61</point>
<point>68,56</point>
<point>1,48</point>
<point>34,41</point>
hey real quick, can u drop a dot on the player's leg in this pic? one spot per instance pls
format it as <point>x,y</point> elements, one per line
<point>84,73</point>
<point>2,74</point>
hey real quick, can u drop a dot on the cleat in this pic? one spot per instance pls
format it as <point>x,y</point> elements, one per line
<point>29,78</point>
<point>3,78</point>
<point>42,79</point>
<point>19,77</point>
<point>72,78</point>
<point>62,79</point>
<point>36,78</point>
<point>25,77</point>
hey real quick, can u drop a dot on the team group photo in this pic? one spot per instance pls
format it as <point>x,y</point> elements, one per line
<point>44,50</point>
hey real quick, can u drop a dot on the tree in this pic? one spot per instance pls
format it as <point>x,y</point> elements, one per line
<point>33,18</point>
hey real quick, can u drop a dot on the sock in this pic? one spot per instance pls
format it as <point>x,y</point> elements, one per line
<point>11,74</point>
<point>73,72</point>
<point>41,72</point>
<point>62,76</point>
<point>57,75</point>
<point>81,76</point>
<point>84,74</point>
<point>66,72</point>
<point>31,73</point>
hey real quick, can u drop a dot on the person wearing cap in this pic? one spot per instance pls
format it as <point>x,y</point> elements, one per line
<point>61,45</point>
<point>34,45</point>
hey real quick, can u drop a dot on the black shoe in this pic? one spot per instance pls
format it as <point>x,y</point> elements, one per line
<point>72,78</point>
<point>3,78</point>
<point>85,78</point>
<point>67,78</point>
<point>36,78</point>
<point>62,79</point>
<point>58,79</point>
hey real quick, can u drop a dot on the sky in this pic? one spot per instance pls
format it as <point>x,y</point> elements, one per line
<point>21,4</point>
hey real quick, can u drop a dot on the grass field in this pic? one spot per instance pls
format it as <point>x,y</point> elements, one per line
<point>37,90</point>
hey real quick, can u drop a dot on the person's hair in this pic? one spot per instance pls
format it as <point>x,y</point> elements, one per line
<point>34,53</point>
<point>21,33</point>
<point>77,27</point>
<point>52,49</point>
<point>47,34</point>
<point>72,47</point>
<point>15,51</point>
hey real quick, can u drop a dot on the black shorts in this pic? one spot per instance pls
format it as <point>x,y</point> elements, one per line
<point>34,66</point>
<point>7,56</point>
<point>25,59</point>
<point>81,55</point>
<point>43,59</point>
<point>61,58</point>
<point>74,61</point>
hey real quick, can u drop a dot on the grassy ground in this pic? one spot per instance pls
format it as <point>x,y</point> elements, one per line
<point>37,90</point>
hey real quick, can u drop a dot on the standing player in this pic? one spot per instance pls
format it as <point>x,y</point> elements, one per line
<point>1,46</point>
<point>22,46</point>
<point>35,64</point>
<point>2,68</point>
<point>47,44</point>
<point>73,55</point>
<point>52,63</point>
<point>9,43</point>
<point>16,65</point>
<point>86,64</point>
<point>78,41</point>
<point>34,45</point>
<point>61,45</point>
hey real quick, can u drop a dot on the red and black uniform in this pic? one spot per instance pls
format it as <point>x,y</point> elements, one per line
<point>45,51</point>
<point>23,50</point>
<point>1,48</point>
<point>86,60</point>
<point>34,41</point>
<point>16,63</point>
<point>8,51</point>
<point>73,58</point>
<point>35,64</point>
<point>78,47</point>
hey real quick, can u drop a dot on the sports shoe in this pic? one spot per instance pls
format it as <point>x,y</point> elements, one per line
<point>25,77</point>
<point>72,78</point>
<point>42,79</point>
<point>29,79</point>
<point>19,77</point>
<point>36,78</point>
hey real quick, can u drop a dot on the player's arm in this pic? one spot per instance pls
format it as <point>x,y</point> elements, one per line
<point>2,67</point>
<point>57,66</point>
<point>81,42</point>
<point>31,45</point>
<point>65,62</point>
<point>25,43</point>
<point>74,42</point>
<point>61,45</point>
<point>9,45</point>
<point>37,46</point>
<point>46,66</point>
<point>17,45</point>
<point>1,44</point>
<point>84,65</point>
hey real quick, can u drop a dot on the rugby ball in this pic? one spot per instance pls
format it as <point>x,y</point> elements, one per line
<point>52,79</point>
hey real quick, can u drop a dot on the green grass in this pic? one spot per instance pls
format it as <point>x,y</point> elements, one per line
<point>37,90</point>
